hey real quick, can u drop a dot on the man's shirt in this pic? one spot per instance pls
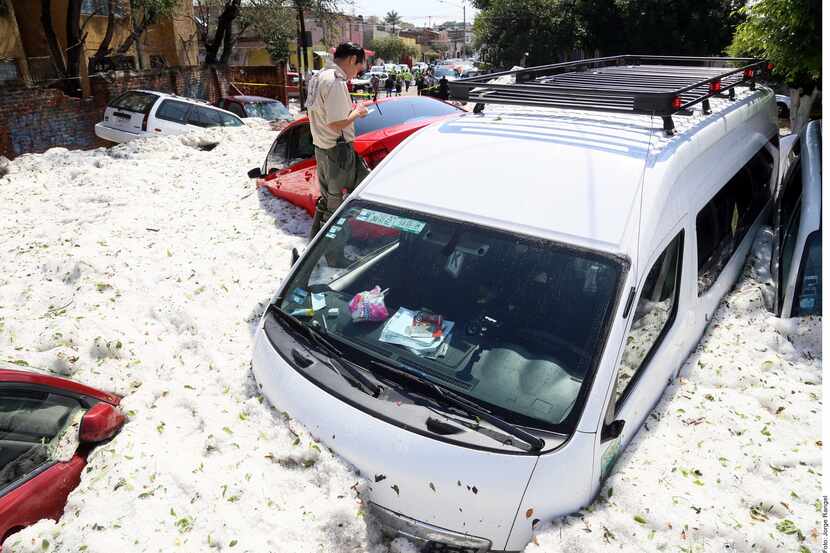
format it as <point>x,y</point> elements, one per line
<point>329,101</point>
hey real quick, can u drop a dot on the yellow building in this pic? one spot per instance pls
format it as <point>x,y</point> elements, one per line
<point>172,41</point>
<point>12,56</point>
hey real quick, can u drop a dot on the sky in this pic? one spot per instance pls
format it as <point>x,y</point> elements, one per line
<point>419,12</point>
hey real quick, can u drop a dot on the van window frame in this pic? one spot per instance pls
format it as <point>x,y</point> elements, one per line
<point>716,261</point>
<point>678,241</point>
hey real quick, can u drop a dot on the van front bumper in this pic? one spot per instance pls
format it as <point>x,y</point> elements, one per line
<point>426,535</point>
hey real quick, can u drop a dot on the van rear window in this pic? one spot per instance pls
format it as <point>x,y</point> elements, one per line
<point>135,101</point>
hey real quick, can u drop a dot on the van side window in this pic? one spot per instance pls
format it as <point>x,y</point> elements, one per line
<point>654,315</point>
<point>725,220</point>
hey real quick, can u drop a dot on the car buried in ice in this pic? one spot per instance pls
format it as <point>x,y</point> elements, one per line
<point>482,343</point>
<point>796,260</point>
<point>48,427</point>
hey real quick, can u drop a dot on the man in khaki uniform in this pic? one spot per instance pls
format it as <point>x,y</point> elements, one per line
<point>332,130</point>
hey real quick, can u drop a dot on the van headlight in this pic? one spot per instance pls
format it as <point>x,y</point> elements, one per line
<point>426,535</point>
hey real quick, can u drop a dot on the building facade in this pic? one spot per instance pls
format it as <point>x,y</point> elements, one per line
<point>23,44</point>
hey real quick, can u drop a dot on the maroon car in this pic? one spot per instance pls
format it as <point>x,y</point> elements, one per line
<point>256,106</point>
<point>48,426</point>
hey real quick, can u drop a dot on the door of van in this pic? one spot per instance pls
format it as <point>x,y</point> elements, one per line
<point>796,259</point>
<point>651,352</point>
<point>127,112</point>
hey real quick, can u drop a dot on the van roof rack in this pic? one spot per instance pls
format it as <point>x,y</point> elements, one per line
<point>651,85</point>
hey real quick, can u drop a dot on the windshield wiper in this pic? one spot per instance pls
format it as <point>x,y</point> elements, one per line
<point>455,400</point>
<point>333,355</point>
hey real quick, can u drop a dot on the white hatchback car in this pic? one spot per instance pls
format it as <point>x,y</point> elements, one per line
<point>142,113</point>
<point>481,347</point>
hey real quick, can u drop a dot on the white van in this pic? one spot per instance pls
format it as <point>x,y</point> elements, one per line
<point>482,346</point>
<point>142,113</point>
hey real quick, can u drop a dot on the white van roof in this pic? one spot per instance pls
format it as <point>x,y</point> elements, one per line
<point>567,175</point>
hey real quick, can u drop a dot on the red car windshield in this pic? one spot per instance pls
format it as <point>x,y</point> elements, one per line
<point>403,110</point>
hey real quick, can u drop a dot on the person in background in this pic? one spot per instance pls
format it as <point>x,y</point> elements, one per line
<point>419,83</point>
<point>390,84</point>
<point>398,85</point>
<point>375,87</point>
<point>331,119</point>
<point>444,88</point>
<point>407,79</point>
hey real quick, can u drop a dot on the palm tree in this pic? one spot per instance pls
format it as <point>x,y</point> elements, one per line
<point>393,19</point>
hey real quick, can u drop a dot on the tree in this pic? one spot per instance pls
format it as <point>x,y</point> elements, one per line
<point>556,30</point>
<point>788,34</point>
<point>393,20</point>
<point>143,14</point>
<point>274,23</point>
<point>546,30</point>
<point>392,48</point>
<point>324,11</point>
<point>218,16</point>
<point>682,27</point>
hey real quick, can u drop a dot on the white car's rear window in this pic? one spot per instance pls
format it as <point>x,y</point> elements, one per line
<point>135,101</point>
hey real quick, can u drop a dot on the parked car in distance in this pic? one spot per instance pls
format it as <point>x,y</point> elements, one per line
<point>362,82</point>
<point>48,427</point>
<point>143,113</point>
<point>255,106</point>
<point>293,84</point>
<point>534,313</point>
<point>796,259</point>
<point>451,73</point>
<point>290,170</point>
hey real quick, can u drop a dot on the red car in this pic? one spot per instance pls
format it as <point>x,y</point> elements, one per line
<point>48,426</point>
<point>290,170</point>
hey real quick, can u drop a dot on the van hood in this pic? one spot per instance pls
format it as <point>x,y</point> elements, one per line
<point>465,490</point>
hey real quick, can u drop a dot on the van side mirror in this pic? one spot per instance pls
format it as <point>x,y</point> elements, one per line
<point>255,173</point>
<point>612,430</point>
<point>100,423</point>
<point>295,256</point>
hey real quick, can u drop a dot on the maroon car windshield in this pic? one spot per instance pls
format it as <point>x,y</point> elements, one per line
<point>402,110</point>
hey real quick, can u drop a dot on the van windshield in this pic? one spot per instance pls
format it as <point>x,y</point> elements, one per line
<point>514,323</point>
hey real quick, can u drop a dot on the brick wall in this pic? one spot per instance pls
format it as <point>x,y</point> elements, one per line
<point>32,119</point>
<point>36,119</point>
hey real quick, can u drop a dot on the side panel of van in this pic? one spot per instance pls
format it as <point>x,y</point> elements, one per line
<point>665,351</point>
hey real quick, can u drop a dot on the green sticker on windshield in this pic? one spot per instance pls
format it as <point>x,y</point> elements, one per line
<point>391,221</point>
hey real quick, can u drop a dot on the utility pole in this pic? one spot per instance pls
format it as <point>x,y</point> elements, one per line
<point>464,29</point>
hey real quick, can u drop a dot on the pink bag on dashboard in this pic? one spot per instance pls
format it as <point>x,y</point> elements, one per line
<point>369,306</point>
